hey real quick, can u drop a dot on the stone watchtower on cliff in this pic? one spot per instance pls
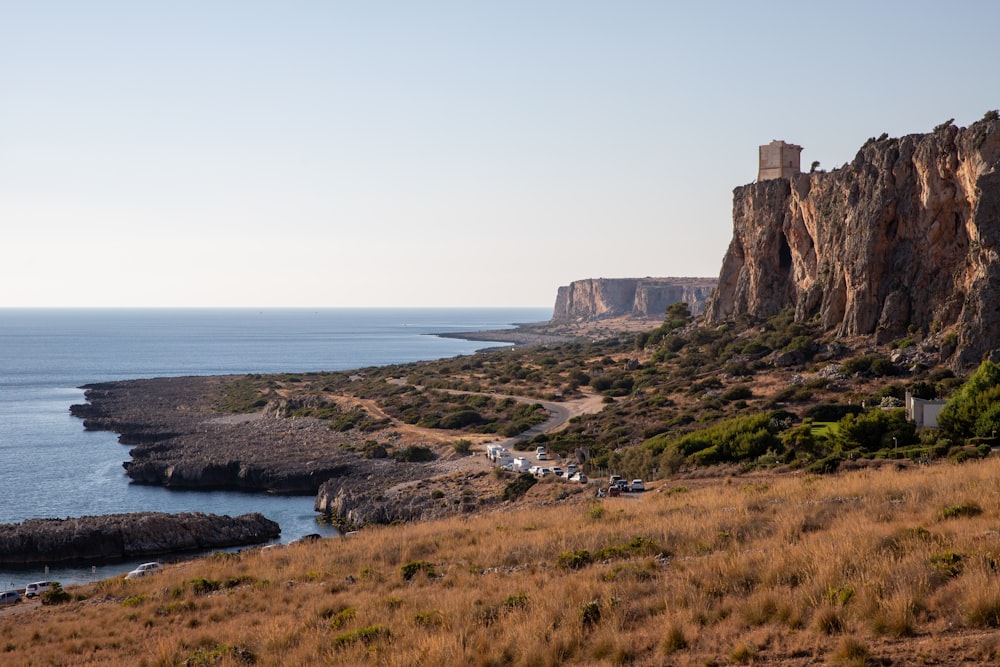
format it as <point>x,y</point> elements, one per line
<point>779,160</point>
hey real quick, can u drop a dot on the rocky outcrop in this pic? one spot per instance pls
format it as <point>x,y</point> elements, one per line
<point>181,441</point>
<point>598,298</point>
<point>120,536</point>
<point>352,506</point>
<point>905,236</point>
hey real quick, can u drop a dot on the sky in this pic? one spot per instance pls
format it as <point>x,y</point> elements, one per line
<point>470,153</point>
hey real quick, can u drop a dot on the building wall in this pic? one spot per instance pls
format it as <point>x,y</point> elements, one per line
<point>779,160</point>
<point>922,412</point>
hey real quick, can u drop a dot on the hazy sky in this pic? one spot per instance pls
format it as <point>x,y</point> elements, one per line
<point>293,153</point>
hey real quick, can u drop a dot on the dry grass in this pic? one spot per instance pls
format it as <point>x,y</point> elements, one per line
<point>862,568</point>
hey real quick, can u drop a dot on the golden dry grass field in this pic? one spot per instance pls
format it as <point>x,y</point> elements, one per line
<point>878,566</point>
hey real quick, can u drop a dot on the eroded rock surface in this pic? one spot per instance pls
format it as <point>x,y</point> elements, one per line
<point>904,236</point>
<point>599,298</point>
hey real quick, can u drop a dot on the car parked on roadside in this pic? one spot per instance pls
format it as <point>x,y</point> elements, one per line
<point>614,491</point>
<point>144,570</point>
<point>38,587</point>
<point>578,477</point>
<point>557,471</point>
<point>636,486</point>
<point>9,597</point>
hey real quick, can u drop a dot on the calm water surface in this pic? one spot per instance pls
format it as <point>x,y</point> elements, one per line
<point>51,467</point>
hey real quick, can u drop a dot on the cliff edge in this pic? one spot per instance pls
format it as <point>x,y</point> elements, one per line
<point>905,237</point>
<point>600,298</point>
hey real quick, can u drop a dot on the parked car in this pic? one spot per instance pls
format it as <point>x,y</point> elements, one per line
<point>144,570</point>
<point>622,485</point>
<point>9,597</point>
<point>543,472</point>
<point>614,491</point>
<point>557,471</point>
<point>571,468</point>
<point>37,588</point>
<point>637,485</point>
<point>578,477</point>
<point>614,479</point>
<point>541,454</point>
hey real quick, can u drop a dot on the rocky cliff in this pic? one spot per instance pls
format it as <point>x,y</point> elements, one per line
<point>119,536</point>
<point>904,237</point>
<point>598,298</point>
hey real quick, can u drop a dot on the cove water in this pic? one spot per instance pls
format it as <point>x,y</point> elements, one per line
<point>51,468</point>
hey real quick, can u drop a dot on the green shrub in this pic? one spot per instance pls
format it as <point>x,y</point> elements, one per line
<point>203,585</point>
<point>415,567</point>
<point>574,560</point>
<point>966,509</point>
<point>737,392</point>
<point>590,614</point>
<point>414,454</point>
<point>54,595</point>
<point>831,412</point>
<point>519,486</point>
<point>366,636</point>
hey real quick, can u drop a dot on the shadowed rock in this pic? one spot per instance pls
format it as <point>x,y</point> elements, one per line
<point>119,536</point>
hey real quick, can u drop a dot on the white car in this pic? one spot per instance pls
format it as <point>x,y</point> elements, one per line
<point>37,588</point>
<point>578,477</point>
<point>144,570</point>
<point>541,454</point>
<point>637,486</point>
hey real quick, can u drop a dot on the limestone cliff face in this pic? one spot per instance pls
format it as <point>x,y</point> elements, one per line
<point>907,234</point>
<point>598,298</point>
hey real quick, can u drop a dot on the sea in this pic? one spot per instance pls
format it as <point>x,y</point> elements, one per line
<point>50,467</point>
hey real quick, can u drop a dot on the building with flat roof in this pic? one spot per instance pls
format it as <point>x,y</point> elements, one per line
<point>779,160</point>
<point>924,413</point>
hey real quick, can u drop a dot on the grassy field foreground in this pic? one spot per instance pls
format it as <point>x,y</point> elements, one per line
<point>878,566</point>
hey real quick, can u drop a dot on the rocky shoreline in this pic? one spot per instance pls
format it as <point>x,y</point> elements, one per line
<point>181,441</point>
<point>115,537</point>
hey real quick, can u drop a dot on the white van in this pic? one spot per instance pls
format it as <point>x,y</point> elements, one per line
<point>542,454</point>
<point>37,588</point>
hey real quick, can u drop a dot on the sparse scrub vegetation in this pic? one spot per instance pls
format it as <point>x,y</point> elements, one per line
<point>846,568</point>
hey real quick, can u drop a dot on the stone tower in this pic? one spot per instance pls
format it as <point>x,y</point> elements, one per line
<point>778,160</point>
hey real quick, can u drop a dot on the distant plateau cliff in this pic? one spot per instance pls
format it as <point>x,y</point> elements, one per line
<point>905,238</point>
<point>599,298</point>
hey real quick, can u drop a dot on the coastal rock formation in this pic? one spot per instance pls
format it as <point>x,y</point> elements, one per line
<point>904,238</point>
<point>181,441</point>
<point>119,536</point>
<point>598,298</point>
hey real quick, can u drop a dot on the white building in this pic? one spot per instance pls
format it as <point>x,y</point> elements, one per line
<point>924,413</point>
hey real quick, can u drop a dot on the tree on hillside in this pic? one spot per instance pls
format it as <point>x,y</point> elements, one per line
<point>975,409</point>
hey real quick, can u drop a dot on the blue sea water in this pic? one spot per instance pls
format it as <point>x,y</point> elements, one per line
<point>51,467</point>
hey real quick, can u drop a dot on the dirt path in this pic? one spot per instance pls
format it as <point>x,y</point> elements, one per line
<point>559,415</point>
